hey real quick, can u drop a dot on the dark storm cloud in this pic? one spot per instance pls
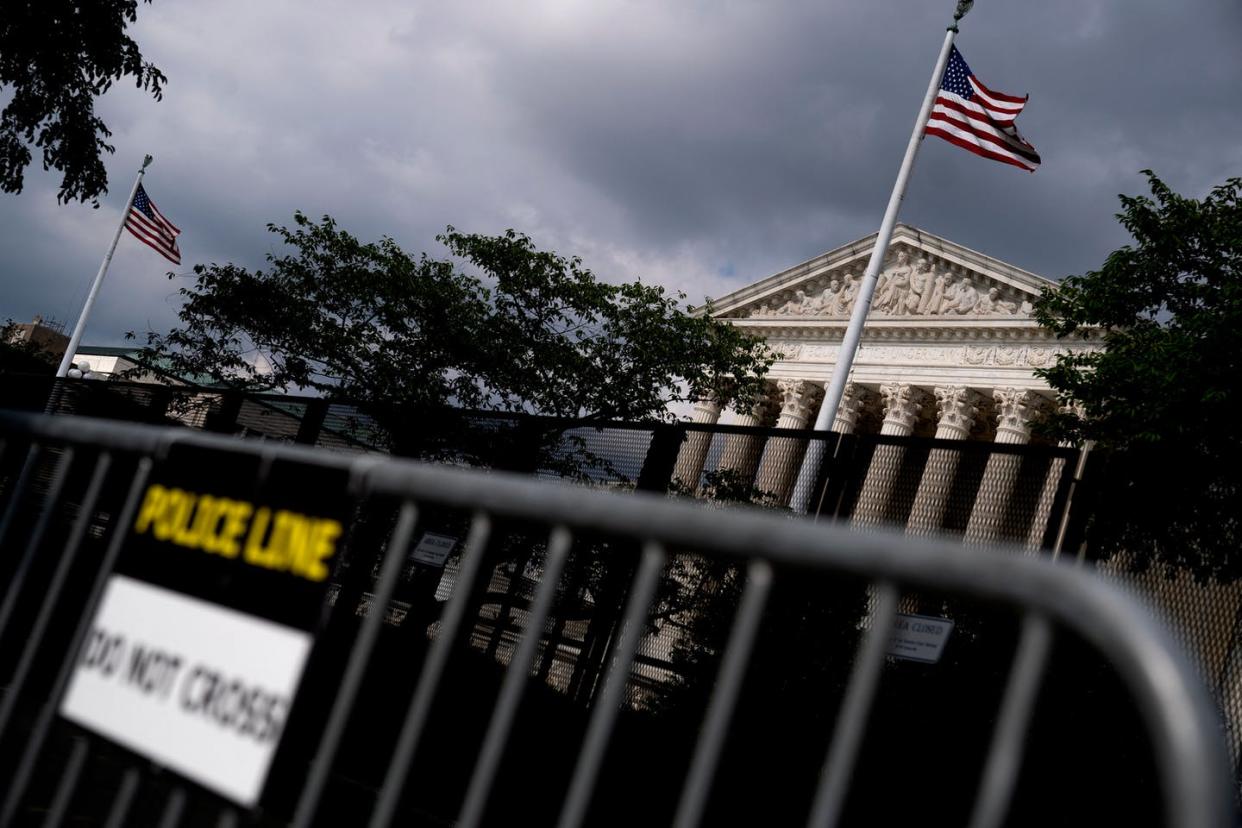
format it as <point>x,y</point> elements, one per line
<point>701,145</point>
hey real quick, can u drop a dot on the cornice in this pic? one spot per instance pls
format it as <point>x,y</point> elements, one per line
<point>911,329</point>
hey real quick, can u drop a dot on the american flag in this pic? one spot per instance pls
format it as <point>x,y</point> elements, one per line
<point>975,118</point>
<point>151,228</point>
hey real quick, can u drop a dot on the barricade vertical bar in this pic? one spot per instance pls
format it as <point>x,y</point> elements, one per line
<point>52,594</point>
<point>68,781</point>
<point>173,808</point>
<point>855,710</point>
<point>17,581</point>
<point>514,685</point>
<point>728,685</point>
<point>642,592</point>
<point>119,812</point>
<point>38,734</point>
<point>19,488</point>
<point>433,670</point>
<point>321,765</point>
<point>1005,754</point>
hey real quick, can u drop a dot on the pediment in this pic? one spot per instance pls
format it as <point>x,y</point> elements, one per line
<point>924,277</point>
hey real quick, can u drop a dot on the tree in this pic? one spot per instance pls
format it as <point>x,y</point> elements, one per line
<point>56,58</point>
<point>1167,385</point>
<point>499,325</point>
<point>19,356</point>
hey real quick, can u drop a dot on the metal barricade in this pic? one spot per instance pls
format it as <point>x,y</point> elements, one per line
<point>71,488</point>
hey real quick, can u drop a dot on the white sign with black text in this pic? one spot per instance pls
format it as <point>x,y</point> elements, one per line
<point>919,637</point>
<point>433,549</point>
<point>201,688</point>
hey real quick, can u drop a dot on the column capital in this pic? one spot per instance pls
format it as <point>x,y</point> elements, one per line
<point>902,404</point>
<point>707,408</point>
<point>853,400</point>
<point>957,408</point>
<point>1016,411</point>
<point>798,397</point>
<point>761,411</point>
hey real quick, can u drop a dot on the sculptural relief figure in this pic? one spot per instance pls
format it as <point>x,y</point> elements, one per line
<point>845,299</point>
<point>828,299</point>
<point>930,303</point>
<point>920,286</point>
<point>992,303</point>
<point>894,285</point>
<point>797,306</point>
<point>962,298</point>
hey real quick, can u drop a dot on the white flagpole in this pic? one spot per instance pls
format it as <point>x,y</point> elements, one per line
<point>853,334</point>
<point>80,328</point>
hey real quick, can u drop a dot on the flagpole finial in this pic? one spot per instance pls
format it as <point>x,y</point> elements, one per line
<point>146,161</point>
<point>963,6</point>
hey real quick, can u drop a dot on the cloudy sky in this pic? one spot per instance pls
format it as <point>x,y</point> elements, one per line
<point>701,145</point>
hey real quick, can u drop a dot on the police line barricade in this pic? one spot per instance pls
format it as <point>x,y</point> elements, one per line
<point>166,590</point>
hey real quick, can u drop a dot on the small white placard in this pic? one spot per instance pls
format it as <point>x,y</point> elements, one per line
<point>919,637</point>
<point>433,549</point>
<point>201,688</point>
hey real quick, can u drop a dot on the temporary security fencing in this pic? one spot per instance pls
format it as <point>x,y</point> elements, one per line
<point>203,630</point>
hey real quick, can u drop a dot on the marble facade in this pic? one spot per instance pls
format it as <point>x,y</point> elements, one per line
<point>949,351</point>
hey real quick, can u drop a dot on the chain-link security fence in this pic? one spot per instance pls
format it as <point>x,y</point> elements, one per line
<point>477,656</point>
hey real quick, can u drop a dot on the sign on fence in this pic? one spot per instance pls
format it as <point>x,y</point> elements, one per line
<point>433,549</point>
<point>919,637</point>
<point>199,642</point>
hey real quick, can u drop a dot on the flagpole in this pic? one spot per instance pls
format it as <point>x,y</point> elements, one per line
<point>853,333</point>
<point>80,328</point>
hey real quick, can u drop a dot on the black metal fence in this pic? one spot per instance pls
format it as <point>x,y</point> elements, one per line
<point>450,693</point>
<point>1012,493</point>
<point>1035,497</point>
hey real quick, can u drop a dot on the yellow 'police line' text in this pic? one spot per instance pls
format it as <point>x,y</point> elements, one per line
<point>280,540</point>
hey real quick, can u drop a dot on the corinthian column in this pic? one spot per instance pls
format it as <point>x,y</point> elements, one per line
<point>853,400</point>
<point>693,453</point>
<point>1043,508</point>
<point>741,452</point>
<point>902,404</point>
<point>782,457</point>
<point>957,408</point>
<point>1016,412</point>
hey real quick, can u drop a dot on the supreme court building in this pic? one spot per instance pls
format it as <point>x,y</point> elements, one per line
<point>949,349</point>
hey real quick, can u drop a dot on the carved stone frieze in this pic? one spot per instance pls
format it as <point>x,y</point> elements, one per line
<point>905,287</point>
<point>820,353</point>
<point>787,350</point>
<point>1004,355</point>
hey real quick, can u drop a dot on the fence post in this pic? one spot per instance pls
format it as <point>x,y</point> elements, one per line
<point>657,470</point>
<point>312,422</point>
<point>1100,469</point>
<point>834,476</point>
<point>224,419</point>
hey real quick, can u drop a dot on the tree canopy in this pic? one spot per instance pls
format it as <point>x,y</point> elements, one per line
<point>56,58</point>
<point>498,325</point>
<point>1167,385</point>
<point>18,356</point>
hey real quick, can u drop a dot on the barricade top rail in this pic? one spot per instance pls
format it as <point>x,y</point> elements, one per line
<point>1189,752</point>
